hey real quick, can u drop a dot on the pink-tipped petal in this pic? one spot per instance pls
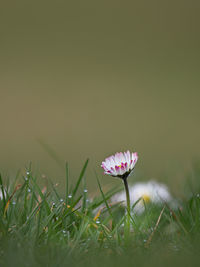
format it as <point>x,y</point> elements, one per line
<point>120,164</point>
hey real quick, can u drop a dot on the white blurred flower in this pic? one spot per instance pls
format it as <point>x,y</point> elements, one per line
<point>120,165</point>
<point>150,192</point>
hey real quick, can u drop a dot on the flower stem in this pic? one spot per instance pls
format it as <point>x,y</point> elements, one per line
<point>127,226</point>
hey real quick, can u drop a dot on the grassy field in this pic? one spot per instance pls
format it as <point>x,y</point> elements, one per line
<point>83,79</point>
<point>41,227</point>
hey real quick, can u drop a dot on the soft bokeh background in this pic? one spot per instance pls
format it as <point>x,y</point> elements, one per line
<point>90,78</point>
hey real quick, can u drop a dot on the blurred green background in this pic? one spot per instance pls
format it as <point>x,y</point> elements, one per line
<point>94,77</point>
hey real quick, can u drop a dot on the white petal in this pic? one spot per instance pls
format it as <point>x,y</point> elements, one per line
<point>128,157</point>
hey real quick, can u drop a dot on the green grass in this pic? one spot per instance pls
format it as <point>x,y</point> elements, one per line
<point>41,227</point>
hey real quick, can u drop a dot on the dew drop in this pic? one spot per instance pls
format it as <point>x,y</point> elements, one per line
<point>85,190</point>
<point>70,196</point>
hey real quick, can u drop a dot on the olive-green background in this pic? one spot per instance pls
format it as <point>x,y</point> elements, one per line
<point>94,77</point>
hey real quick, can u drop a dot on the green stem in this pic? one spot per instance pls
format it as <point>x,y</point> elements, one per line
<point>127,227</point>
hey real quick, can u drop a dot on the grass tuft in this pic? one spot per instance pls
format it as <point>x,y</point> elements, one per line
<point>39,227</point>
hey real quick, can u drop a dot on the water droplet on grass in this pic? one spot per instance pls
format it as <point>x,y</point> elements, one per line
<point>70,196</point>
<point>61,200</point>
<point>85,190</point>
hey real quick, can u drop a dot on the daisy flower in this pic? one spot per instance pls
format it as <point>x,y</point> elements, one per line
<point>120,165</point>
<point>150,192</point>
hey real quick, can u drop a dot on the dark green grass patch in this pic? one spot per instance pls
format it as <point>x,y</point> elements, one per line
<point>41,227</point>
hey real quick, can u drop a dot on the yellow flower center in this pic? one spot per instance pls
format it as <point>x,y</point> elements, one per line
<point>146,198</point>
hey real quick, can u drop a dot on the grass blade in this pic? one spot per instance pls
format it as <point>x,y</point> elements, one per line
<point>42,197</point>
<point>51,152</point>
<point>66,182</point>
<point>80,178</point>
<point>2,191</point>
<point>104,198</point>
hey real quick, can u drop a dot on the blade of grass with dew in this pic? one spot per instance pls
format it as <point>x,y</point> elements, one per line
<point>66,182</point>
<point>49,218</point>
<point>54,190</point>
<point>80,178</point>
<point>32,199</point>
<point>84,202</point>
<point>10,198</point>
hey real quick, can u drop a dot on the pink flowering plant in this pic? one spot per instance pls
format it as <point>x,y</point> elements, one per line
<point>121,165</point>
